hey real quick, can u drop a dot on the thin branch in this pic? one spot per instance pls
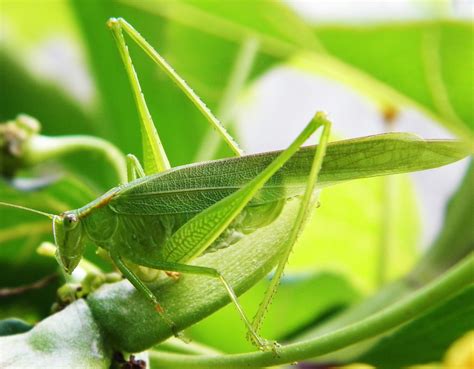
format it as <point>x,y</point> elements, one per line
<point>41,283</point>
<point>42,148</point>
<point>239,75</point>
<point>405,310</point>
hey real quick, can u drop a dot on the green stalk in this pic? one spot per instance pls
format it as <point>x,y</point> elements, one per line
<point>176,345</point>
<point>240,74</point>
<point>407,309</point>
<point>41,148</point>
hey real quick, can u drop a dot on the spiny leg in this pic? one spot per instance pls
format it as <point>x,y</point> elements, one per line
<point>154,154</point>
<point>119,24</point>
<point>202,230</point>
<point>142,287</point>
<point>304,209</point>
<point>134,168</point>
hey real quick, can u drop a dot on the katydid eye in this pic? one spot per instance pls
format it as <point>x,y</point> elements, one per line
<point>70,221</point>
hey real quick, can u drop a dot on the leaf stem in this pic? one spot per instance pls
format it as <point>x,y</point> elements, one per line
<point>239,76</point>
<point>176,345</point>
<point>235,84</point>
<point>409,308</point>
<point>41,148</point>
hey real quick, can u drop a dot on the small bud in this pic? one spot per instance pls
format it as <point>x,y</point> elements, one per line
<point>28,124</point>
<point>14,137</point>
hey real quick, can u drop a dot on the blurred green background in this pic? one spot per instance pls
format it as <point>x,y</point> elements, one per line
<point>59,64</point>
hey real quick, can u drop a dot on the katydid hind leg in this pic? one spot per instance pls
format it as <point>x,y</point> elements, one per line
<point>210,223</point>
<point>134,168</point>
<point>118,25</point>
<point>155,158</point>
<point>303,212</point>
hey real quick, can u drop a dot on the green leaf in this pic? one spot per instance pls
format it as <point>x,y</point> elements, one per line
<point>426,64</point>
<point>300,300</point>
<point>427,338</point>
<point>13,326</point>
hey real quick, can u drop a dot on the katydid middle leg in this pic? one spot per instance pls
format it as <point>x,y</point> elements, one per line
<point>134,168</point>
<point>200,270</point>
<point>143,288</point>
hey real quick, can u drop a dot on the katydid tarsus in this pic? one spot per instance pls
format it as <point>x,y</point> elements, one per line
<point>168,240</point>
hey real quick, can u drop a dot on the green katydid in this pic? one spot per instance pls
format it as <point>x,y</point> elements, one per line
<point>167,217</point>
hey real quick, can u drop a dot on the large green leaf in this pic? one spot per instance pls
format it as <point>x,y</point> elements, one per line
<point>425,64</point>
<point>421,64</point>
<point>427,338</point>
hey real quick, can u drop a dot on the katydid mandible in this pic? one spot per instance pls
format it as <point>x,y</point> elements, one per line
<point>139,224</point>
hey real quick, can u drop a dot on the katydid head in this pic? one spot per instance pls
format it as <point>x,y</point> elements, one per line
<point>68,236</point>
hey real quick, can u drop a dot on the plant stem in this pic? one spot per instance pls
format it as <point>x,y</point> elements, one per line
<point>240,73</point>
<point>409,308</point>
<point>41,148</point>
<point>176,345</point>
